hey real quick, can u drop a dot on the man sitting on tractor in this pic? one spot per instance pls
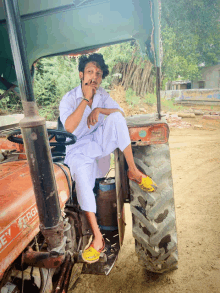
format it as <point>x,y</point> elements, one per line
<point>82,112</point>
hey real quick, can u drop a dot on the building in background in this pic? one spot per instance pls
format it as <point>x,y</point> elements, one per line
<point>205,90</point>
<point>210,78</point>
<point>178,85</point>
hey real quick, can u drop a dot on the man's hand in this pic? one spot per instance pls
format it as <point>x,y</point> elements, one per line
<point>93,117</point>
<point>89,90</point>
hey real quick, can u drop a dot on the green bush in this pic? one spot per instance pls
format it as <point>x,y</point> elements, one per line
<point>170,105</point>
<point>150,99</point>
<point>54,77</point>
<point>10,103</point>
<point>131,97</point>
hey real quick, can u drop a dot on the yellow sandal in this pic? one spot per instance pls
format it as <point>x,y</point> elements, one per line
<point>145,183</point>
<point>91,255</point>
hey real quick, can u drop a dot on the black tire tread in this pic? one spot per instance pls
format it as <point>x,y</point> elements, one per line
<point>153,214</point>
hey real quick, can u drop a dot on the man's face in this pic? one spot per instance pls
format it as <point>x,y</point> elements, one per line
<point>92,75</point>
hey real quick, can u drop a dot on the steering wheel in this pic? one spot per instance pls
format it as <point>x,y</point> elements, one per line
<point>12,136</point>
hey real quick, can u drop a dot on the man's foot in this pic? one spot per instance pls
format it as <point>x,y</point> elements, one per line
<point>144,181</point>
<point>137,175</point>
<point>92,253</point>
<point>97,242</point>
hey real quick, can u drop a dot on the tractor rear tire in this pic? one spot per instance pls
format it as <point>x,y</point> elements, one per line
<point>153,214</point>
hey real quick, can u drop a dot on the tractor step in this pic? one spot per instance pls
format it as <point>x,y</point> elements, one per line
<point>107,261</point>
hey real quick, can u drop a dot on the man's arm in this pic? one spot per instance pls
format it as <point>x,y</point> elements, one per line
<point>106,111</point>
<point>94,115</point>
<point>74,119</point>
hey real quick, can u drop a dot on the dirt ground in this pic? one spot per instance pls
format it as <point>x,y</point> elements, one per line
<point>195,156</point>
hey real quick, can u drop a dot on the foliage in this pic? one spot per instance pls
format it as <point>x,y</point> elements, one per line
<point>150,99</point>
<point>170,105</point>
<point>191,36</point>
<point>131,97</point>
<point>176,62</point>
<point>54,77</point>
<point>10,103</point>
<point>118,53</point>
<point>166,105</point>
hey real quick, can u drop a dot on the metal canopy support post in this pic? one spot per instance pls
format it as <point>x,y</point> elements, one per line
<point>35,135</point>
<point>156,9</point>
<point>158,92</point>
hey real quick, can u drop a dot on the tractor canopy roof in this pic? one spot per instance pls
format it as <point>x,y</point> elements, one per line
<point>54,27</point>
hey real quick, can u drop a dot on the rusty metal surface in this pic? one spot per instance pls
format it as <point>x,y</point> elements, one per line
<point>147,135</point>
<point>124,177</point>
<point>62,275</point>
<point>54,235</point>
<point>76,226</point>
<point>22,154</point>
<point>120,197</point>
<point>67,279</point>
<point>107,208</point>
<point>8,145</point>
<point>19,221</point>
<point>42,259</point>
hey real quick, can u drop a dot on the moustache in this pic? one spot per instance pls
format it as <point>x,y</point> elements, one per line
<point>92,82</point>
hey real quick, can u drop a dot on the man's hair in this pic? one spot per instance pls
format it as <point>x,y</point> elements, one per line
<point>98,59</point>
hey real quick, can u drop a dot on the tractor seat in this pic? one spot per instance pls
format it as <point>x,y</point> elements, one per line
<point>59,152</point>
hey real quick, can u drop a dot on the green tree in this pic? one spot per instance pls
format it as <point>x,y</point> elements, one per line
<point>119,53</point>
<point>114,54</point>
<point>54,77</point>
<point>191,36</point>
<point>175,61</point>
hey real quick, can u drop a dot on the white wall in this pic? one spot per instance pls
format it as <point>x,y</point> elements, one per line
<point>211,75</point>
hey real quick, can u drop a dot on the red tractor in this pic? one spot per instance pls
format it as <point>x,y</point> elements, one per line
<point>42,228</point>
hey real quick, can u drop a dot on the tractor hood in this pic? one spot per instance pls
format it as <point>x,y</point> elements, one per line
<point>54,27</point>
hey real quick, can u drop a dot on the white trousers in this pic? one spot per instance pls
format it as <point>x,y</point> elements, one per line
<point>93,161</point>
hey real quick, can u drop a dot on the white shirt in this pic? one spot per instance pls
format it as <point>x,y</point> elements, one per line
<point>68,105</point>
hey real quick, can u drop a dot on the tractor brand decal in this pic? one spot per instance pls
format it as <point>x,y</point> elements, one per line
<point>27,218</point>
<point>17,226</point>
<point>3,237</point>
